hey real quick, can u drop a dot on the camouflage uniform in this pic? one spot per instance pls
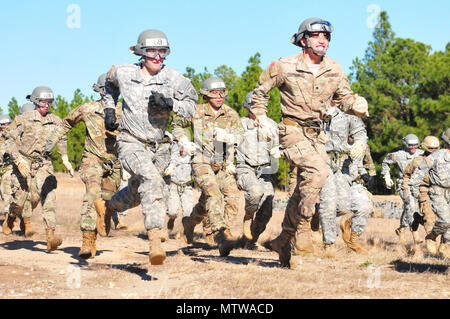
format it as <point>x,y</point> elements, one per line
<point>254,169</point>
<point>100,169</point>
<point>402,158</point>
<point>341,192</point>
<point>5,175</point>
<point>305,100</point>
<point>219,197</point>
<point>26,138</point>
<point>437,166</point>
<point>426,216</point>
<point>180,190</point>
<point>142,127</point>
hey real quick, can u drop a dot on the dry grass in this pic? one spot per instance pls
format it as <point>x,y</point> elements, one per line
<point>120,269</point>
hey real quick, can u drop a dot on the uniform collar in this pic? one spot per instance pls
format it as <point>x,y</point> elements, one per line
<point>303,66</point>
<point>209,111</point>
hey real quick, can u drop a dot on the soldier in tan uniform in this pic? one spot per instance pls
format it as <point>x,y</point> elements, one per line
<point>100,169</point>
<point>32,178</point>
<point>308,82</point>
<point>426,216</point>
<point>217,132</point>
<point>5,167</point>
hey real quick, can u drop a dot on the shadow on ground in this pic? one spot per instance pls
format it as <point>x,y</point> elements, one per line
<point>402,266</point>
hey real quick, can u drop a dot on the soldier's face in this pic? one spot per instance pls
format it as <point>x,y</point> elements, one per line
<point>318,41</point>
<point>44,108</point>
<point>412,148</point>
<point>153,65</point>
<point>217,98</point>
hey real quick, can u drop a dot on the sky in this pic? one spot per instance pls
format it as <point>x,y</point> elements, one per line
<point>67,45</point>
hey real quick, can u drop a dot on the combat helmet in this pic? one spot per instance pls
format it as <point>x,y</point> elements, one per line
<point>311,25</point>
<point>151,39</point>
<point>41,93</point>
<point>26,108</point>
<point>446,136</point>
<point>99,87</point>
<point>213,83</point>
<point>248,100</point>
<point>4,119</point>
<point>430,143</point>
<point>410,139</point>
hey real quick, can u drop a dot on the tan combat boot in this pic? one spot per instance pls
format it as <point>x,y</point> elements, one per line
<point>443,250</point>
<point>85,250</point>
<point>330,250</point>
<point>303,237</point>
<point>346,228</point>
<point>401,236</point>
<point>355,245</point>
<point>156,254</point>
<point>282,245</point>
<point>52,241</point>
<point>27,224</point>
<point>247,227</point>
<point>103,217</point>
<point>8,224</point>
<point>188,229</point>
<point>430,241</point>
<point>225,241</point>
<point>121,225</point>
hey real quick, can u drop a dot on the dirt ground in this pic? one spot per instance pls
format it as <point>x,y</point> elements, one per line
<point>120,269</point>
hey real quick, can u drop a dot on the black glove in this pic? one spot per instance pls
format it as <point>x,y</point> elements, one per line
<point>7,159</point>
<point>368,180</point>
<point>158,101</point>
<point>48,148</point>
<point>110,119</point>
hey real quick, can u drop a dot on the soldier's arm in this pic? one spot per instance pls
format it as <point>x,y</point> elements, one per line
<point>185,98</point>
<point>61,144</point>
<point>269,79</point>
<point>237,129</point>
<point>358,129</point>
<point>73,118</point>
<point>418,175</point>
<point>409,169</point>
<point>111,88</point>
<point>180,127</point>
<point>12,137</point>
<point>385,165</point>
<point>368,162</point>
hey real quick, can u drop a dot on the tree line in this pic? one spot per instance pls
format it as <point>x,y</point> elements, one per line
<point>406,85</point>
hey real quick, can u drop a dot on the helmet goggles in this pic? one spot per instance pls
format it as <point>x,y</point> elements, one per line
<point>153,52</point>
<point>320,26</point>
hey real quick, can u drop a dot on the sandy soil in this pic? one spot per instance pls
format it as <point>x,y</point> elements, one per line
<point>120,269</point>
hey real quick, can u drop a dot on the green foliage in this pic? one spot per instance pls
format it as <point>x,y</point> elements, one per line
<point>407,89</point>
<point>13,108</point>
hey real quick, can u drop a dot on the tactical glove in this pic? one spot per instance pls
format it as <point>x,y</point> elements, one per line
<point>360,107</point>
<point>67,165</point>
<point>230,168</point>
<point>187,146</point>
<point>368,180</point>
<point>169,170</point>
<point>48,148</point>
<point>110,119</point>
<point>389,182</point>
<point>22,166</point>
<point>275,152</point>
<point>125,176</point>
<point>357,149</point>
<point>158,101</point>
<point>221,135</point>
<point>265,129</point>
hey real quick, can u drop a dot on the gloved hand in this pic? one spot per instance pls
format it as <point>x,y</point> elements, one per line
<point>187,145</point>
<point>275,152</point>
<point>157,100</point>
<point>110,119</point>
<point>22,166</point>
<point>222,135</point>
<point>357,149</point>
<point>230,168</point>
<point>67,165</point>
<point>48,147</point>
<point>389,182</point>
<point>265,128</point>
<point>125,175</point>
<point>368,180</point>
<point>360,107</point>
<point>169,170</point>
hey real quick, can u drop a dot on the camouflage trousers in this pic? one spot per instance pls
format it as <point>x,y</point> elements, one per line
<point>180,196</point>
<point>426,216</point>
<point>99,182</point>
<point>146,185</point>
<point>339,194</point>
<point>219,197</point>
<point>305,151</point>
<point>407,217</point>
<point>40,187</point>
<point>5,186</point>
<point>258,196</point>
<point>440,203</point>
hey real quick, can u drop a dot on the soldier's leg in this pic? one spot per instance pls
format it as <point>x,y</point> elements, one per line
<point>46,183</point>
<point>264,213</point>
<point>440,202</point>
<point>6,188</point>
<point>91,173</point>
<point>327,210</point>
<point>360,206</point>
<point>406,219</point>
<point>231,194</point>
<point>20,204</point>
<point>254,191</point>
<point>174,202</point>
<point>429,217</point>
